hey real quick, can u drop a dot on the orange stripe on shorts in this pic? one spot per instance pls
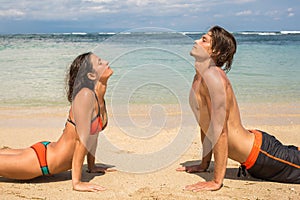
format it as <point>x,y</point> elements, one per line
<point>255,149</point>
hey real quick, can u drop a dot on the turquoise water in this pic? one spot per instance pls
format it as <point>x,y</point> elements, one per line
<point>151,67</point>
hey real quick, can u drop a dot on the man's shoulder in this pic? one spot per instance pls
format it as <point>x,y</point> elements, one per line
<point>215,77</point>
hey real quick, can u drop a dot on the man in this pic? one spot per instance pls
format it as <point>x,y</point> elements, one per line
<point>216,110</point>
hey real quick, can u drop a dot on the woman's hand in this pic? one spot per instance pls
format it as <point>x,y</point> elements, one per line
<point>97,169</point>
<point>87,187</point>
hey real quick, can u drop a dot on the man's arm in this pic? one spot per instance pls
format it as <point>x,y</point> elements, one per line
<point>217,131</point>
<point>220,156</point>
<point>207,151</point>
<point>206,158</point>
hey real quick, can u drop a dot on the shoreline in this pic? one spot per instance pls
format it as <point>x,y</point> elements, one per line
<point>268,113</point>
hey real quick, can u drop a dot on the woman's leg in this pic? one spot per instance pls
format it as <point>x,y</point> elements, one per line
<point>19,164</point>
<point>8,150</point>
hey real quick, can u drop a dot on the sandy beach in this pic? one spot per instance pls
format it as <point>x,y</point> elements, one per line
<point>22,127</point>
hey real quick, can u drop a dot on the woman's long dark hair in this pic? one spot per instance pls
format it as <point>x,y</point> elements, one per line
<point>223,46</point>
<point>77,76</point>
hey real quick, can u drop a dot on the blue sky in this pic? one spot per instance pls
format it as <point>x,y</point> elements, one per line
<point>56,16</point>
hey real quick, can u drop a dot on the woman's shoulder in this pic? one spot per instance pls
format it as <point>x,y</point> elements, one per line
<point>86,91</point>
<point>85,94</point>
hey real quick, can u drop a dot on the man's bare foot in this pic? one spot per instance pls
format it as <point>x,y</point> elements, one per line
<point>191,169</point>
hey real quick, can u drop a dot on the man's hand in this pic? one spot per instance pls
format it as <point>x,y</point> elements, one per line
<point>192,169</point>
<point>204,186</point>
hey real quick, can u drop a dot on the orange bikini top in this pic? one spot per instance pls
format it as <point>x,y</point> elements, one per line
<point>96,123</point>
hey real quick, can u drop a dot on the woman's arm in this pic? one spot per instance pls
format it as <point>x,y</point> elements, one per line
<point>83,107</point>
<point>92,168</point>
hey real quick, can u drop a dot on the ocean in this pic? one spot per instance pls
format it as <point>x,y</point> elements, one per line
<point>150,66</point>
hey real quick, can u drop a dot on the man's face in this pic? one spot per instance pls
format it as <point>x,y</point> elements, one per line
<point>205,42</point>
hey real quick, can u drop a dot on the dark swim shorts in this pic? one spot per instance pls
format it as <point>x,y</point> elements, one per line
<point>270,160</point>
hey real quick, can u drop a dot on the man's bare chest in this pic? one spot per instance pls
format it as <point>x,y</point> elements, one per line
<point>200,102</point>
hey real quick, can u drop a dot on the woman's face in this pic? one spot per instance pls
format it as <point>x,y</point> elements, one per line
<point>101,68</point>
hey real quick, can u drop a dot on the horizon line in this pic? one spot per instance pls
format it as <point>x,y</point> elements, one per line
<point>254,32</point>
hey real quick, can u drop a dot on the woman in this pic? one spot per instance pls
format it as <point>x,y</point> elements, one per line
<point>86,85</point>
